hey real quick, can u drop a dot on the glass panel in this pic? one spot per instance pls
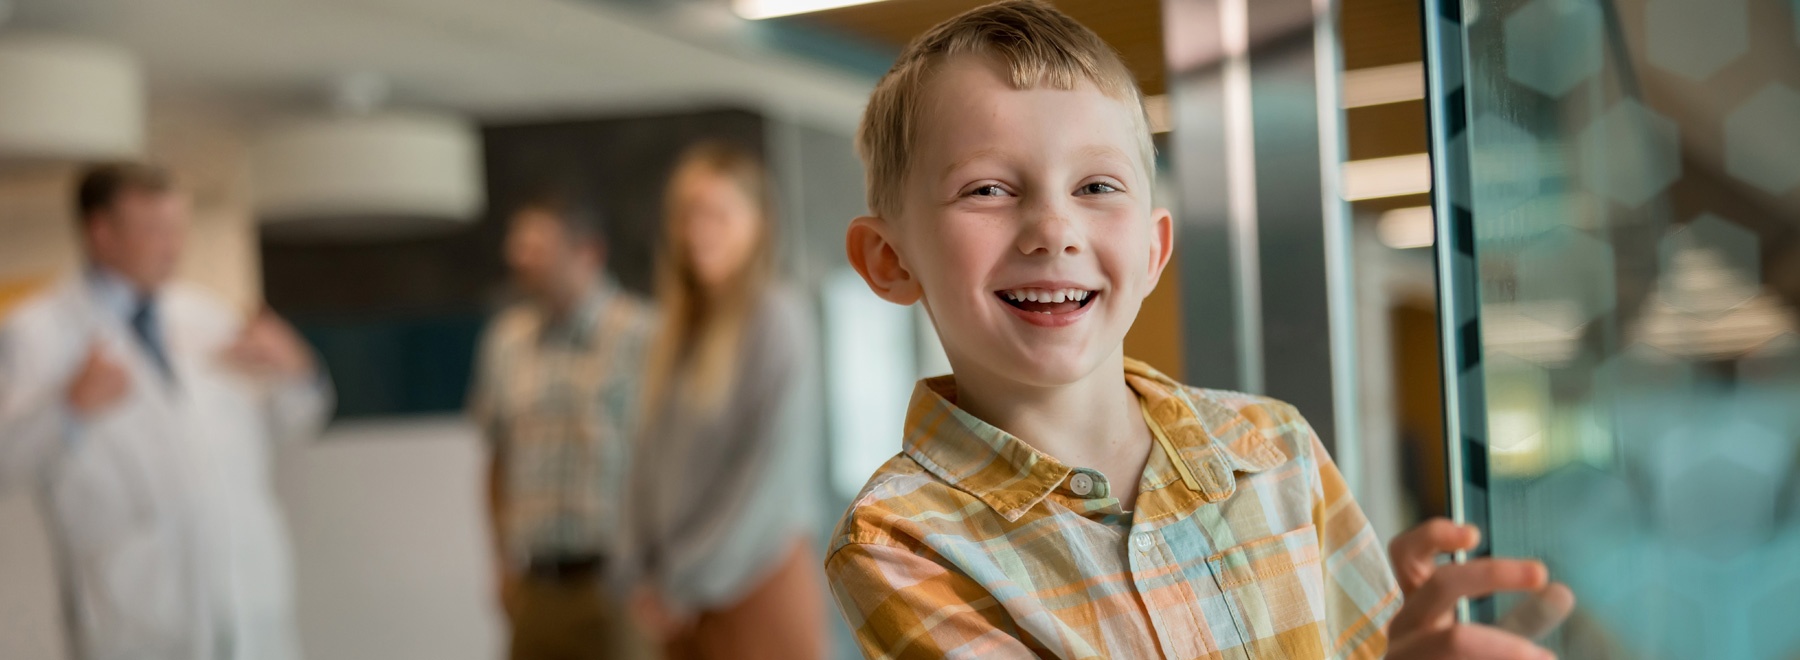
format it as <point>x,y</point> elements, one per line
<point>1635,187</point>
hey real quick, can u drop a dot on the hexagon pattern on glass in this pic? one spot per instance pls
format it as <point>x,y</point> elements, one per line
<point>1630,153</point>
<point>1553,45</point>
<point>1504,163</point>
<point>1565,278</point>
<point>1634,171</point>
<point>1696,39</point>
<point>1761,146</point>
<point>1709,267</point>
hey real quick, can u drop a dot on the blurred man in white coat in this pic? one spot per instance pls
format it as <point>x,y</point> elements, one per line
<point>144,412</point>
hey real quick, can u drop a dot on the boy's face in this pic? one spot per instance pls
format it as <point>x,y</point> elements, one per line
<point>1026,225</point>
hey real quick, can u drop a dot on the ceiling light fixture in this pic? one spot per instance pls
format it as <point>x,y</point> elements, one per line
<point>757,10</point>
<point>361,171</point>
<point>1392,176</point>
<point>68,99</point>
<point>1406,228</point>
<point>1380,85</point>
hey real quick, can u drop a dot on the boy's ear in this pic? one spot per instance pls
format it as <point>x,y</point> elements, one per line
<point>874,256</point>
<point>1162,244</point>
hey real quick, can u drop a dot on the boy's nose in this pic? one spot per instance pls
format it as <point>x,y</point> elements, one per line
<point>1048,231</point>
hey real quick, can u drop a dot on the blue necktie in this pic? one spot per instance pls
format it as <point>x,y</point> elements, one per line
<point>143,322</point>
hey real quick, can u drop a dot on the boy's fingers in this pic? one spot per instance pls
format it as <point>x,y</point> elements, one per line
<point>1539,613</point>
<point>1479,577</point>
<point>1469,641</point>
<point>1414,553</point>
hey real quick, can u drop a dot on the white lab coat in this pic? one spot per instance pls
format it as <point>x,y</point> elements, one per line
<point>169,542</point>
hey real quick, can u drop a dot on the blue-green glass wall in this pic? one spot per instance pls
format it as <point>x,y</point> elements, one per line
<point>1634,172</point>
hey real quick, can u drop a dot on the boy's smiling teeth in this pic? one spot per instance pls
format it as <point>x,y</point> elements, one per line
<point>1049,302</point>
<point>1046,295</point>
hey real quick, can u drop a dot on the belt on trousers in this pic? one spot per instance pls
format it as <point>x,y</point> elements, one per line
<point>565,567</point>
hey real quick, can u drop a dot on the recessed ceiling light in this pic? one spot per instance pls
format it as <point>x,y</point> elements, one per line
<point>1406,228</point>
<point>1384,84</point>
<point>1387,177</point>
<point>761,9</point>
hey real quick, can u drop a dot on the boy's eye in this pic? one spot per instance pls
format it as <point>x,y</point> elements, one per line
<point>1097,188</point>
<point>990,190</point>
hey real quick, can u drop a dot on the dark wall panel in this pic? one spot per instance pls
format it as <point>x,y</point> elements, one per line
<point>396,321</point>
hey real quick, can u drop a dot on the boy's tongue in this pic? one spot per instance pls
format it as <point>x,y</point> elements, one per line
<point>1049,308</point>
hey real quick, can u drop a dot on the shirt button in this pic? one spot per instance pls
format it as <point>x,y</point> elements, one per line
<point>1144,541</point>
<point>1081,484</point>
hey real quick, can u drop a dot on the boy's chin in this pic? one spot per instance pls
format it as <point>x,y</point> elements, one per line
<point>1052,367</point>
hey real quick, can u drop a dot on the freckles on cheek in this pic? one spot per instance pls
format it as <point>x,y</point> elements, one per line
<point>963,266</point>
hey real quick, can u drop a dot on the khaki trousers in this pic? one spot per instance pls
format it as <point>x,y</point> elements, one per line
<point>572,620</point>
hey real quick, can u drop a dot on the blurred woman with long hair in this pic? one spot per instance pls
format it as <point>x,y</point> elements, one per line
<point>723,520</point>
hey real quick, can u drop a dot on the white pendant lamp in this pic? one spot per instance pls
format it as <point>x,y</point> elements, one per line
<point>362,173</point>
<point>64,99</point>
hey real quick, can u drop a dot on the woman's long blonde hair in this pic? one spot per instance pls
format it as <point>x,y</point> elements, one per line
<point>700,333</point>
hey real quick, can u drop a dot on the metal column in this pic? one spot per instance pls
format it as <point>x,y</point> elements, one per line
<point>1264,232</point>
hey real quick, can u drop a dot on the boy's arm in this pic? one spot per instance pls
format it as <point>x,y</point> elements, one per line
<point>901,604</point>
<point>1360,592</point>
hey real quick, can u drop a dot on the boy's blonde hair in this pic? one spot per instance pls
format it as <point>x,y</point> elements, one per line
<point>1039,46</point>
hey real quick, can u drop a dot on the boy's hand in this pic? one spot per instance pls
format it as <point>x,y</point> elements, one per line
<point>1426,625</point>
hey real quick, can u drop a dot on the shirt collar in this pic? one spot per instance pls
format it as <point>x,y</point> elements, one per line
<point>1011,476</point>
<point>113,292</point>
<point>578,326</point>
<point>1213,440</point>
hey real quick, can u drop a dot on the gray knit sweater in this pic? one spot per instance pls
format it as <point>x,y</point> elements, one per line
<point>718,499</point>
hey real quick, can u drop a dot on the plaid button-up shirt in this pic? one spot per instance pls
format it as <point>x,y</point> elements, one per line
<point>1244,542</point>
<point>558,403</point>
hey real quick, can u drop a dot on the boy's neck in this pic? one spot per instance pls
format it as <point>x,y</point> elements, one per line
<point>1093,423</point>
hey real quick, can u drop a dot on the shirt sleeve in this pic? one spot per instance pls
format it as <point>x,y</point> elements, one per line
<point>484,383</point>
<point>1360,592</point>
<point>901,604</point>
<point>299,407</point>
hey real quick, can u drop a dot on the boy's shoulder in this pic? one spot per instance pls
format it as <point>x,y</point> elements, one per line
<point>1267,414</point>
<point>901,502</point>
<point>1221,413</point>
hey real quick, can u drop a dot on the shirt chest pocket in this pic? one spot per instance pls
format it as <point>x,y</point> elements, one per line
<point>1274,589</point>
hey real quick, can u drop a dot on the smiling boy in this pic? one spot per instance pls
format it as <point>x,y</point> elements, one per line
<point>1053,497</point>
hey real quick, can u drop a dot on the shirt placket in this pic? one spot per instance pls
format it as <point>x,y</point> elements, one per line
<point>559,407</point>
<point>1184,629</point>
<point>1144,554</point>
<point>1150,560</point>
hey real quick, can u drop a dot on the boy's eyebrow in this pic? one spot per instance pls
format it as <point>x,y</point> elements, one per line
<point>1104,151</point>
<point>965,160</point>
<point>1094,151</point>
